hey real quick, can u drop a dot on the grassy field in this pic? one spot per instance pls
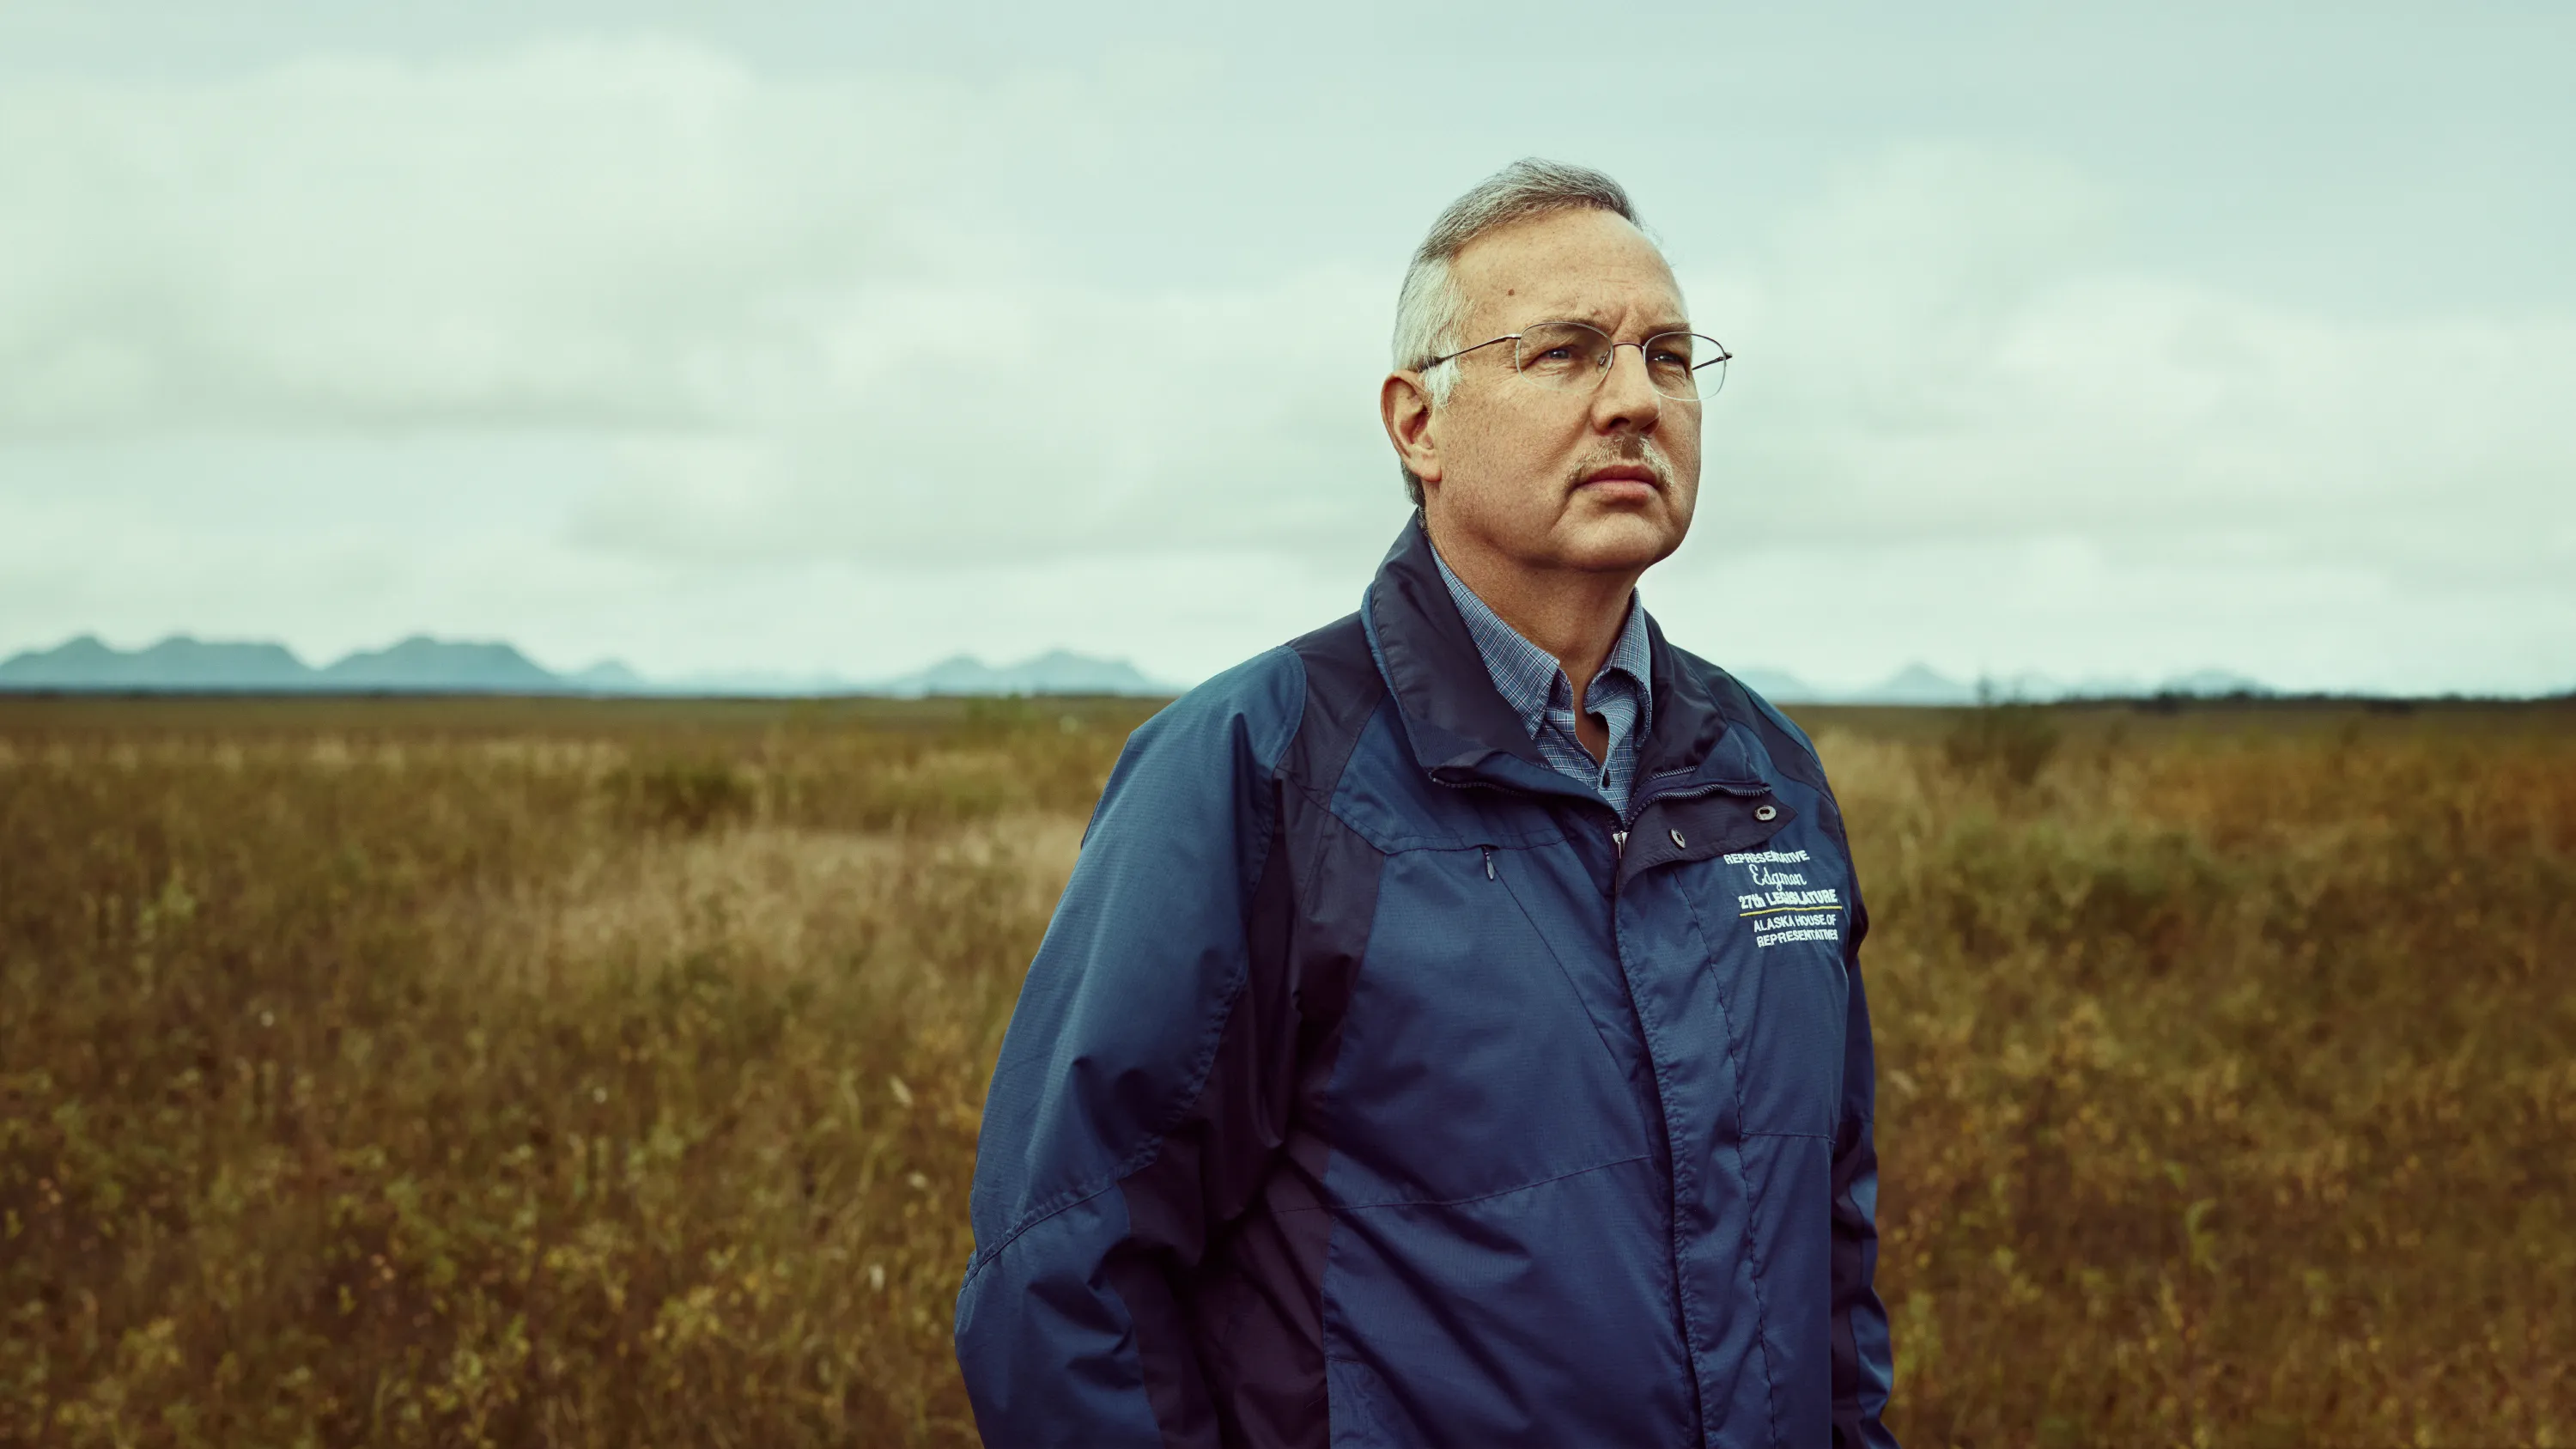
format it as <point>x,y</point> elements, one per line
<point>503,1072</point>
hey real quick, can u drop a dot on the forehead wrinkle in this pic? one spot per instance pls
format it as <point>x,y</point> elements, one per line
<point>1602,317</point>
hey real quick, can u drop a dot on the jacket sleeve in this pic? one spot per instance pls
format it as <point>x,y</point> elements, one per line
<point>1863,1363</point>
<point>1142,1086</point>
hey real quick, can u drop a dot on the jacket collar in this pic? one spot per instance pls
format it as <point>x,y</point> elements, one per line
<point>1460,727</point>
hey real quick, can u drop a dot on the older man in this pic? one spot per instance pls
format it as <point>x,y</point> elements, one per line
<point>1428,1051</point>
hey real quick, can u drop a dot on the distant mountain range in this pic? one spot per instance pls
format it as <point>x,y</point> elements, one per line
<point>423,665</point>
<point>1918,684</point>
<point>1054,672</point>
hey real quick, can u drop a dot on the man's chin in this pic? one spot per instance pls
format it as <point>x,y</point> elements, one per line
<point>1623,538</point>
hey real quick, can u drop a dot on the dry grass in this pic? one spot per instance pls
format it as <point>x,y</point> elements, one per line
<point>528,1073</point>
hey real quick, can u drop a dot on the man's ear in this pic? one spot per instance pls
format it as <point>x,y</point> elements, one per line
<point>1405,408</point>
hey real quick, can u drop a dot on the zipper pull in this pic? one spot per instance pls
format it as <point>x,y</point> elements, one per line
<point>1489,862</point>
<point>1619,843</point>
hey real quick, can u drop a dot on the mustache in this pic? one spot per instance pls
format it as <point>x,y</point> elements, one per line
<point>1633,450</point>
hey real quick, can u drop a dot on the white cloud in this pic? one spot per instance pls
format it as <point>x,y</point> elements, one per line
<point>749,289</point>
<point>1021,421</point>
<point>1934,353</point>
<point>578,233</point>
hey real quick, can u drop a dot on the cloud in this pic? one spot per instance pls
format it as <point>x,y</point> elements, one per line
<point>1034,421</point>
<point>773,300</point>
<point>578,234</point>
<point>1946,347</point>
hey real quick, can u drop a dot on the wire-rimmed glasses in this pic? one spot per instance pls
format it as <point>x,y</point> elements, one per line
<point>1570,356</point>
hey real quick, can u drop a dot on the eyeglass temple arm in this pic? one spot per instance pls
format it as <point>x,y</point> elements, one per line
<point>1463,351</point>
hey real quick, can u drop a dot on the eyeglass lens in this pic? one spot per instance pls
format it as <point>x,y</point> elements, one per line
<point>1569,354</point>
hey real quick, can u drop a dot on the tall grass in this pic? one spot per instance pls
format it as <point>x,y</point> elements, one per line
<point>2227,1088</point>
<point>529,1074</point>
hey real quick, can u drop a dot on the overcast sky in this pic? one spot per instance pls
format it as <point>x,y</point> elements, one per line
<point>2209,336</point>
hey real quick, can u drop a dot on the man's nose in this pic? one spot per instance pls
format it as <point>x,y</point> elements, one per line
<point>1627,397</point>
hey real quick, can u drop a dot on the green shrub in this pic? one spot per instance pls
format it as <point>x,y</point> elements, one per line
<point>689,796</point>
<point>2002,743</point>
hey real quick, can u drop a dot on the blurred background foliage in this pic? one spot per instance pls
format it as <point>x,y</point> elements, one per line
<point>496,1072</point>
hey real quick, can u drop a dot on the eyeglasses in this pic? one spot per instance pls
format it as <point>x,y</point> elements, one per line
<point>1570,356</point>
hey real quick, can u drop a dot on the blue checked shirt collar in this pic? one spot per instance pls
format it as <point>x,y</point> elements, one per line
<point>1531,682</point>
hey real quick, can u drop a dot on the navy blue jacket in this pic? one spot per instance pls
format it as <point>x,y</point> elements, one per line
<point>1377,1085</point>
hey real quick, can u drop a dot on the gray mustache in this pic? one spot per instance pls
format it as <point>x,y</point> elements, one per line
<point>1638,452</point>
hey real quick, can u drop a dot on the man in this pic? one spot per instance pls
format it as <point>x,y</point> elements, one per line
<point>1416,1057</point>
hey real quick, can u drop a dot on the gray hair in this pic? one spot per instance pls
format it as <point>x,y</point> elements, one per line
<point>1431,309</point>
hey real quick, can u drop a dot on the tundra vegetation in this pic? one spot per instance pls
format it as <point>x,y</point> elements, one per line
<point>521,1072</point>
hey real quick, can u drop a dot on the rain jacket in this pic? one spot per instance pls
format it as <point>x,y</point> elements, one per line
<point>1377,1084</point>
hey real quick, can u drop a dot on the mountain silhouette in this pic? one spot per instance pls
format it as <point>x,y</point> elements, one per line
<point>1057,671</point>
<point>178,662</point>
<point>423,663</point>
<point>184,665</point>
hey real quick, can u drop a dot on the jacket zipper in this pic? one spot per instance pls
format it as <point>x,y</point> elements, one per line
<point>1619,845</point>
<point>1619,836</point>
<point>1693,793</point>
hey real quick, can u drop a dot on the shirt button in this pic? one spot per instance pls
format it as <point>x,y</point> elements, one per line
<point>1766,812</point>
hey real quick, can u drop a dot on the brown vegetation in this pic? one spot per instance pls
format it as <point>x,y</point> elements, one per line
<point>526,1073</point>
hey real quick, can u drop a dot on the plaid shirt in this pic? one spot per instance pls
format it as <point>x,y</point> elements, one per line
<point>1533,684</point>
